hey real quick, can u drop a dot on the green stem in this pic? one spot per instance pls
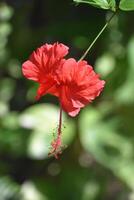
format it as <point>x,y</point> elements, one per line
<point>96,38</point>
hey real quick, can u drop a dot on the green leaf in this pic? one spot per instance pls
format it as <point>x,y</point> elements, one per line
<point>103,4</point>
<point>126,5</point>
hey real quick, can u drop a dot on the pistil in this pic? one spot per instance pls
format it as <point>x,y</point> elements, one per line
<point>57,143</point>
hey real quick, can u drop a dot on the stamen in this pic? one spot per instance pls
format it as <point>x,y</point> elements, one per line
<point>56,144</point>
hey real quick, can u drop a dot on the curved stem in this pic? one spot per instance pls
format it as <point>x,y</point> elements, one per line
<point>96,38</point>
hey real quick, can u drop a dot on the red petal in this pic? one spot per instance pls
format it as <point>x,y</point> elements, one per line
<point>66,102</point>
<point>45,60</point>
<point>30,71</point>
<point>81,85</point>
<point>60,50</point>
<point>48,87</point>
<point>67,71</point>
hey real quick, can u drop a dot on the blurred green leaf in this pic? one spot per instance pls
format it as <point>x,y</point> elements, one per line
<point>104,4</point>
<point>13,142</point>
<point>10,121</point>
<point>130,53</point>
<point>105,64</point>
<point>30,192</point>
<point>106,145</point>
<point>43,120</point>
<point>8,189</point>
<point>125,93</point>
<point>3,109</point>
<point>5,29</point>
<point>74,183</point>
<point>90,191</point>
<point>3,42</point>
<point>7,87</point>
<point>126,5</point>
<point>14,68</point>
<point>6,12</point>
<point>3,55</point>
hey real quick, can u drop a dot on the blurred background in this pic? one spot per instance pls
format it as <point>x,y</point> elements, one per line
<point>98,162</point>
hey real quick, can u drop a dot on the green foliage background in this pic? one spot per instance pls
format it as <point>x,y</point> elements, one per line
<point>98,163</point>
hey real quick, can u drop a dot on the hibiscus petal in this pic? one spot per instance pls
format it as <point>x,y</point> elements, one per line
<point>81,85</point>
<point>86,96</point>
<point>43,61</point>
<point>67,72</point>
<point>66,102</point>
<point>60,50</point>
<point>55,55</point>
<point>30,71</point>
<point>74,112</point>
<point>48,87</point>
<point>79,102</point>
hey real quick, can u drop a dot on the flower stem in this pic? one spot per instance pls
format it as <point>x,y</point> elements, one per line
<point>96,38</point>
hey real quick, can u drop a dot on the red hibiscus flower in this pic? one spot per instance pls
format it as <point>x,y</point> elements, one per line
<point>74,83</point>
<point>78,85</point>
<point>42,65</point>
